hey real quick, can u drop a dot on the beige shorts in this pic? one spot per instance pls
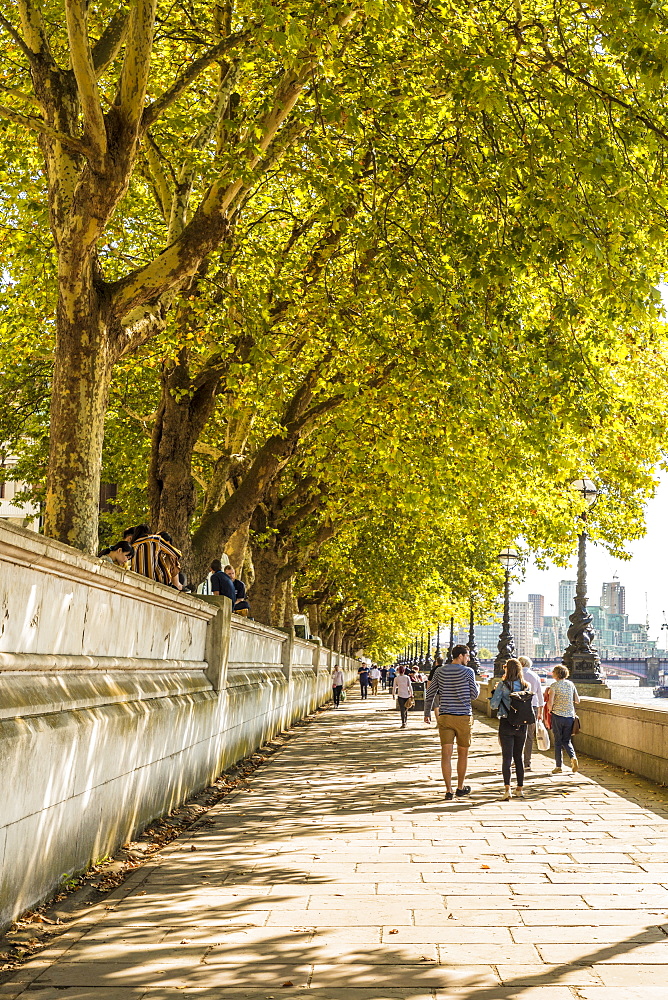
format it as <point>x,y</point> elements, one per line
<point>455,727</point>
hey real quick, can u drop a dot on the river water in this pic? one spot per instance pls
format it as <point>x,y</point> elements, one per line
<point>630,691</point>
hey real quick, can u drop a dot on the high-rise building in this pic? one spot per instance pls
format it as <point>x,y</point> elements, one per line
<point>537,602</point>
<point>566,598</point>
<point>521,627</point>
<point>613,598</point>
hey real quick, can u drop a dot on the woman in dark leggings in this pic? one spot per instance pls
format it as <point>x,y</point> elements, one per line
<point>511,738</point>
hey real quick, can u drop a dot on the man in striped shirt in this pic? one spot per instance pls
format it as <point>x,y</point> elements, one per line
<point>456,687</point>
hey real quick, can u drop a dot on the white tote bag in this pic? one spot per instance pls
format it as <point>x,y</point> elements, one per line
<point>542,736</point>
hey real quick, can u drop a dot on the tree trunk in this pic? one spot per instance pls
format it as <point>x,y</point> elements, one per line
<point>237,546</point>
<point>217,528</point>
<point>268,564</point>
<point>81,377</point>
<point>182,415</point>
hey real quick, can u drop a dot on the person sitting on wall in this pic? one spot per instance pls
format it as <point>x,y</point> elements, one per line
<point>221,584</point>
<point>241,605</point>
<point>119,554</point>
<point>155,557</point>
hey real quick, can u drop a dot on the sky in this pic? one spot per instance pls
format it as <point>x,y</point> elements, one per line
<point>644,574</point>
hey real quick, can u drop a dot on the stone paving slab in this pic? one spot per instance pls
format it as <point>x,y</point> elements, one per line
<point>340,871</point>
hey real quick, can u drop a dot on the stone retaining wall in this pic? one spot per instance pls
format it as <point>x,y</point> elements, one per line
<point>119,698</point>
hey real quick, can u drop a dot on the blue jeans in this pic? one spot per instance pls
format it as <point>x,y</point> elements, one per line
<point>562,728</point>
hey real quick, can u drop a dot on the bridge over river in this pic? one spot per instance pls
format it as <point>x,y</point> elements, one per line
<point>650,667</point>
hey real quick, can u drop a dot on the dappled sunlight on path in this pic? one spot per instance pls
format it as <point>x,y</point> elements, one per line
<point>340,871</point>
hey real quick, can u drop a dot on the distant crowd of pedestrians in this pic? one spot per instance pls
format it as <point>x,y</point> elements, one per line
<point>521,707</point>
<point>155,556</point>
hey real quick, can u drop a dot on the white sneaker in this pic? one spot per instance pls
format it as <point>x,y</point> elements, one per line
<point>557,770</point>
<point>519,793</point>
<point>506,795</point>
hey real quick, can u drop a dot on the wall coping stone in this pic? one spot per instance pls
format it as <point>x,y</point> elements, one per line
<point>62,662</point>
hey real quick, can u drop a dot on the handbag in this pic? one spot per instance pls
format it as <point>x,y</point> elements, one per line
<point>576,726</point>
<point>343,695</point>
<point>411,702</point>
<point>542,735</point>
<point>547,718</point>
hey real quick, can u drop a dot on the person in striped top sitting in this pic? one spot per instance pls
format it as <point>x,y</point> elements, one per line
<point>455,685</point>
<point>156,557</point>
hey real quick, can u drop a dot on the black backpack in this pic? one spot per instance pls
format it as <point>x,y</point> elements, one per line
<point>521,710</point>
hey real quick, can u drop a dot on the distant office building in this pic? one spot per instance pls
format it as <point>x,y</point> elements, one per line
<point>551,639</point>
<point>487,636</point>
<point>521,626</point>
<point>566,598</point>
<point>613,598</point>
<point>537,602</point>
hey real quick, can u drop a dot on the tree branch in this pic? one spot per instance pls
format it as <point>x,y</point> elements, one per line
<point>36,125</point>
<point>109,43</point>
<point>13,33</point>
<point>13,92</point>
<point>34,33</point>
<point>136,65</point>
<point>84,73</point>
<point>211,220</point>
<point>160,105</point>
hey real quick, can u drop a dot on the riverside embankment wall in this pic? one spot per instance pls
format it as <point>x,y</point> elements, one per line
<point>119,698</point>
<point>634,737</point>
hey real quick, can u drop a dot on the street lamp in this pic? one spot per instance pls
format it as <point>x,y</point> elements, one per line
<point>506,645</point>
<point>581,657</point>
<point>428,662</point>
<point>420,662</point>
<point>474,663</point>
<point>438,641</point>
<point>448,658</point>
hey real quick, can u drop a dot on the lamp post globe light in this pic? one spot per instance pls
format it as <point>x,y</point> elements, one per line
<point>508,558</point>
<point>581,657</point>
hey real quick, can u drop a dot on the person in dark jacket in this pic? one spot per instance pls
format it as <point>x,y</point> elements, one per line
<point>363,674</point>
<point>221,585</point>
<point>241,605</point>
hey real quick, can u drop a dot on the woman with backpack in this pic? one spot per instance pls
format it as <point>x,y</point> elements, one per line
<point>512,700</point>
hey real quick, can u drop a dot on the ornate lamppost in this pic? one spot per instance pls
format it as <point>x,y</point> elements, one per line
<point>474,663</point>
<point>506,645</point>
<point>581,657</point>
<point>448,658</point>
<point>438,641</point>
<point>420,662</point>
<point>428,662</point>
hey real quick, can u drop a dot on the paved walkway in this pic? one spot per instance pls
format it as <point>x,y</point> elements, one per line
<point>341,872</point>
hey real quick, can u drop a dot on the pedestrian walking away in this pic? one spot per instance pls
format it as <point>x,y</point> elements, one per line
<point>561,699</point>
<point>363,674</point>
<point>402,690</point>
<point>455,687</point>
<point>383,678</point>
<point>374,677</point>
<point>337,685</point>
<point>533,680</point>
<point>512,700</point>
